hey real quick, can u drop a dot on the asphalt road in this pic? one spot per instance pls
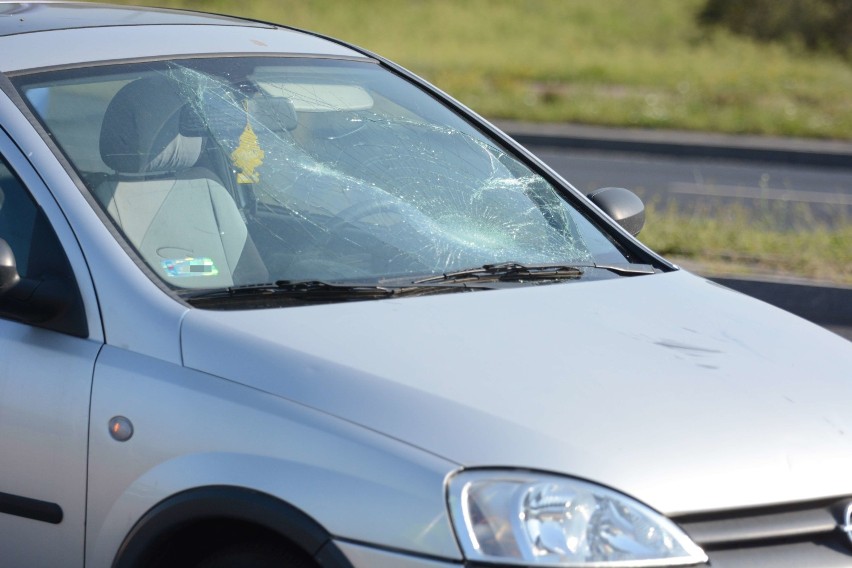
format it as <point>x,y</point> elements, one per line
<point>790,193</point>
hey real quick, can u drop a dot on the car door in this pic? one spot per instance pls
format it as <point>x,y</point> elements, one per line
<point>45,382</point>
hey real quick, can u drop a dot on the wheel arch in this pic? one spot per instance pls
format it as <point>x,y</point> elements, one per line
<point>225,505</point>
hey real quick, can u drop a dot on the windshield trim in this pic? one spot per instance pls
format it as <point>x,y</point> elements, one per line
<point>18,73</point>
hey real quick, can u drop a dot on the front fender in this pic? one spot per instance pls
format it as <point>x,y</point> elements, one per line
<point>152,531</point>
<point>193,430</point>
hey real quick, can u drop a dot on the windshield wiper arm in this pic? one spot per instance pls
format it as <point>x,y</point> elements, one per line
<point>624,269</point>
<point>507,271</point>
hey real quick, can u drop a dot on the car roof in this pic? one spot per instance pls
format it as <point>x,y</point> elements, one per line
<point>28,17</point>
<point>37,35</point>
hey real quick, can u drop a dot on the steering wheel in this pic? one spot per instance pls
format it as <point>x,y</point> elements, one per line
<point>375,243</point>
<point>355,213</point>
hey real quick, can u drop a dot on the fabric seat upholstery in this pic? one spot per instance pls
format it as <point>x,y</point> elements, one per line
<point>180,218</point>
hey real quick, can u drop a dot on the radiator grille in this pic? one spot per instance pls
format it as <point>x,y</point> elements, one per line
<point>804,535</point>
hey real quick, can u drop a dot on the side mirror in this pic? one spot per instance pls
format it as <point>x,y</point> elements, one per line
<point>622,205</point>
<point>9,277</point>
<point>33,301</point>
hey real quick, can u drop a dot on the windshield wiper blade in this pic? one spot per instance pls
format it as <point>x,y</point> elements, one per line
<point>504,271</point>
<point>322,288</point>
<point>312,291</point>
<point>508,271</point>
<point>294,289</point>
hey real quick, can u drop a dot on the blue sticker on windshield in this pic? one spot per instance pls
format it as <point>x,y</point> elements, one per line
<point>179,268</point>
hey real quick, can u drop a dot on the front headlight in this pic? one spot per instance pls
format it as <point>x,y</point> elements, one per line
<point>525,518</point>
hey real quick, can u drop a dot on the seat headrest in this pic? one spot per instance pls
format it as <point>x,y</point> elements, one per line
<point>149,128</point>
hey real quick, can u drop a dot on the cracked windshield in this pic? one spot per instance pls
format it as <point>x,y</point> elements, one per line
<point>238,171</point>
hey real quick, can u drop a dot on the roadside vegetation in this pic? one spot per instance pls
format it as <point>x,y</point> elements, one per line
<point>647,63</point>
<point>818,25</point>
<point>734,240</point>
<point>675,64</point>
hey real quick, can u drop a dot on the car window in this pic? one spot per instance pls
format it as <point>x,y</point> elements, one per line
<point>235,171</point>
<point>39,256</point>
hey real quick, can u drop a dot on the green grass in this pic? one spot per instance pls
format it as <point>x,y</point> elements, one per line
<point>609,62</point>
<point>734,239</point>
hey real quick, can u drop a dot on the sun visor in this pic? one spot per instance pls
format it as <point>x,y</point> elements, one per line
<point>319,97</point>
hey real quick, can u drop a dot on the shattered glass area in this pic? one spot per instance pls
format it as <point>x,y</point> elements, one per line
<point>338,170</point>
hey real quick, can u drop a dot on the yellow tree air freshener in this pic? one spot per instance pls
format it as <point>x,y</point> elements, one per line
<point>248,155</point>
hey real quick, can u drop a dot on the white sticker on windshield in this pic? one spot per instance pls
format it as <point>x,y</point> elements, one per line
<point>180,268</point>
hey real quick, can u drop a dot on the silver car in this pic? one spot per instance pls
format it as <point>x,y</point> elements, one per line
<point>267,299</point>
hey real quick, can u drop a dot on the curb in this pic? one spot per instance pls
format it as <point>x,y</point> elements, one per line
<point>822,153</point>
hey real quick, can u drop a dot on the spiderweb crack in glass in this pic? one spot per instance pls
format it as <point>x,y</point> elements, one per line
<point>341,170</point>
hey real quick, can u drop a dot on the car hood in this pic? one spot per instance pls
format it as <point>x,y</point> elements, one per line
<point>668,387</point>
